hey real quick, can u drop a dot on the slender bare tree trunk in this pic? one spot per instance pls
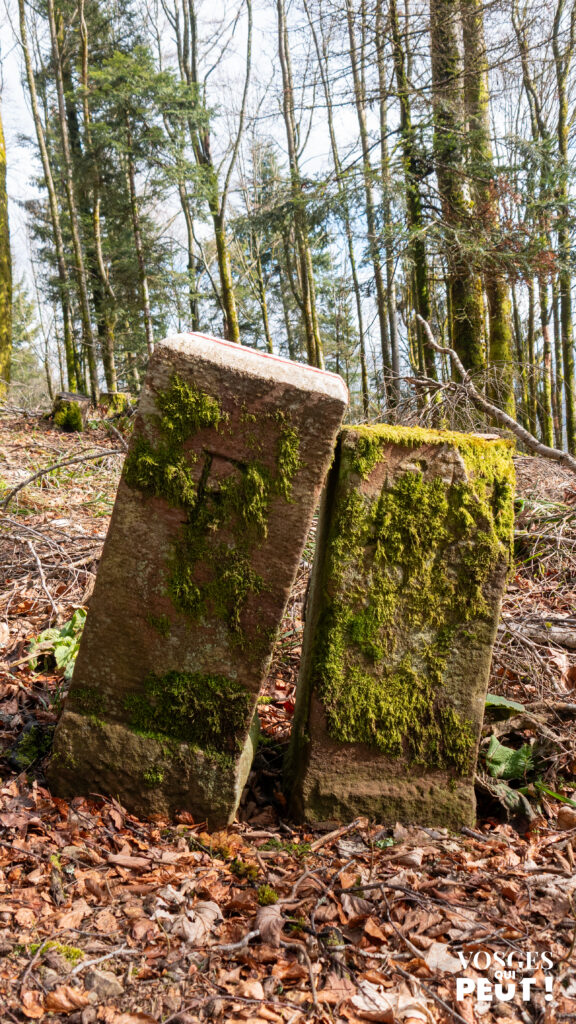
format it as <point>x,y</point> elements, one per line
<point>305,268</point>
<point>383,90</point>
<point>5,274</point>
<point>417,244</point>
<point>562,62</point>
<point>368,173</point>
<point>137,234</point>
<point>72,376</point>
<point>81,279</point>
<point>102,292</point>
<point>343,201</point>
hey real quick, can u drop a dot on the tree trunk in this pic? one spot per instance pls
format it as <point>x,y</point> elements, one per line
<point>5,274</point>
<point>191,266</point>
<point>72,375</point>
<point>416,244</point>
<point>137,233</point>
<point>486,203</point>
<point>343,203</point>
<point>386,204</point>
<point>87,334</point>
<point>559,374</point>
<point>532,369</point>
<point>562,62</point>
<point>305,268</point>
<point>463,281</point>
<point>373,239</point>
<point>546,396</point>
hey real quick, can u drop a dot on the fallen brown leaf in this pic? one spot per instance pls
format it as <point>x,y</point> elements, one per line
<point>335,990</point>
<point>566,818</point>
<point>250,989</point>
<point>270,922</point>
<point>32,1004</point>
<point>65,999</point>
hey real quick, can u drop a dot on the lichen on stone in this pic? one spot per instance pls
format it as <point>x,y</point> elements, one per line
<point>404,572</point>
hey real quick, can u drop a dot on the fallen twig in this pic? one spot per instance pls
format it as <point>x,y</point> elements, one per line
<point>42,577</point>
<point>58,465</point>
<point>120,951</point>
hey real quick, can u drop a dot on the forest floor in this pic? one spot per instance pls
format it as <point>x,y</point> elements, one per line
<point>108,918</point>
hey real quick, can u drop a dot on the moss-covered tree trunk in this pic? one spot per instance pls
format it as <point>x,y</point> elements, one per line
<point>465,286</point>
<point>481,168</point>
<point>374,243</point>
<point>5,274</point>
<point>417,243</point>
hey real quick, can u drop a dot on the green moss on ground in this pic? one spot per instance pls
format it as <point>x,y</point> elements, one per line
<point>70,953</point>
<point>405,571</point>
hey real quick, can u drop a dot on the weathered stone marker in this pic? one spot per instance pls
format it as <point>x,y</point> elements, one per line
<point>412,556</point>
<point>225,467</point>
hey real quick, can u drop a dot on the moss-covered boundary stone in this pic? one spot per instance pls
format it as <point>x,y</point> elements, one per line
<point>412,555</point>
<point>226,462</point>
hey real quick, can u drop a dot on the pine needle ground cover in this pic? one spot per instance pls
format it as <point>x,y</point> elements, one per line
<point>106,917</point>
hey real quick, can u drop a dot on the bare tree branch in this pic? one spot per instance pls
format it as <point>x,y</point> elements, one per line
<point>502,418</point>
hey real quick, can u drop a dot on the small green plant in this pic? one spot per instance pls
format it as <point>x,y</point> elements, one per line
<point>59,645</point>
<point>267,896</point>
<point>506,763</point>
<point>384,844</point>
<point>243,870</point>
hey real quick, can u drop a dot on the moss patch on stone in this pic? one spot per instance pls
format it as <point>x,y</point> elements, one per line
<point>153,776</point>
<point>161,623</point>
<point>69,418</point>
<point>208,577</point>
<point>406,570</point>
<point>87,700</point>
<point>205,711</point>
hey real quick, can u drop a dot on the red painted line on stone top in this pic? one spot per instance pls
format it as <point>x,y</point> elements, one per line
<point>266,355</point>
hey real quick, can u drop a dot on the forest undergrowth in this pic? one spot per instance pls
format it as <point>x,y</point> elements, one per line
<point>106,917</point>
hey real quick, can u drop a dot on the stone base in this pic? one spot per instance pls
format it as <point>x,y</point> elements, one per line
<point>149,777</point>
<point>341,783</point>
